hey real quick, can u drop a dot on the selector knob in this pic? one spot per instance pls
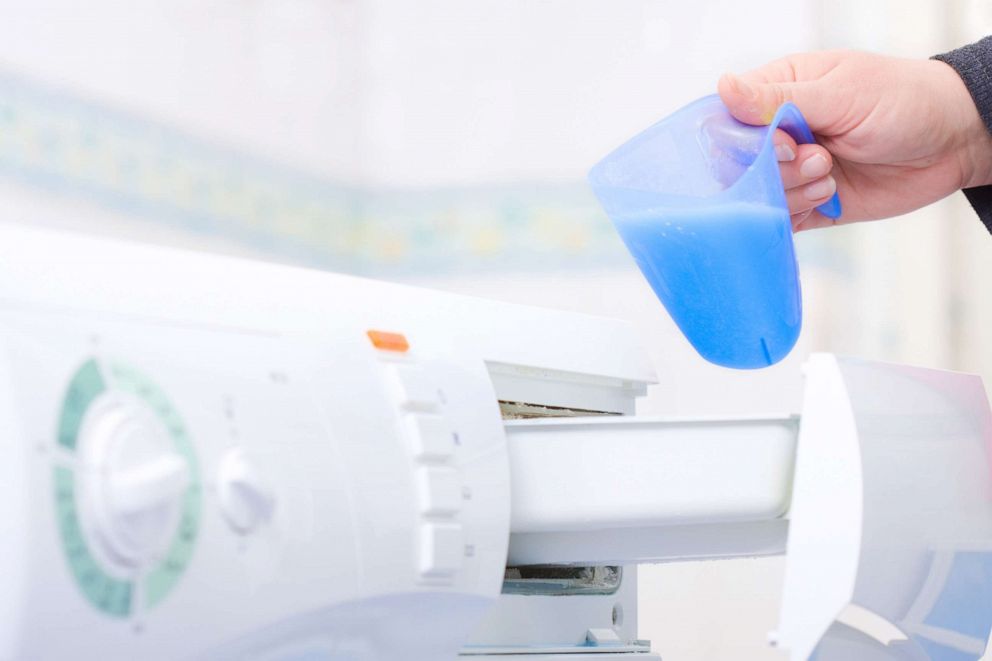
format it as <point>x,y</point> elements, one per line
<point>246,498</point>
<point>133,482</point>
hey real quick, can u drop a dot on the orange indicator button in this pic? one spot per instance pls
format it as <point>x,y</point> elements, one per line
<point>388,341</point>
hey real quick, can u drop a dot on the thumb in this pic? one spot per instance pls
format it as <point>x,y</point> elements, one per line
<point>755,102</point>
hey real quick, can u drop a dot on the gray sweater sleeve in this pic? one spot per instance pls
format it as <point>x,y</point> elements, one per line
<point>974,64</point>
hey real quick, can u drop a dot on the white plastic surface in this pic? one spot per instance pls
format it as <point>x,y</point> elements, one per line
<point>119,277</point>
<point>413,387</point>
<point>892,514</point>
<point>441,547</point>
<point>826,511</point>
<point>430,437</point>
<point>273,361</point>
<point>440,492</point>
<point>346,523</point>
<point>617,490</point>
<point>892,509</point>
<point>598,655</point>
<point>616,546</point>
<point>148,485</point>
<point>586,474</point>
<point>16,516</point>
<point>246,499</point>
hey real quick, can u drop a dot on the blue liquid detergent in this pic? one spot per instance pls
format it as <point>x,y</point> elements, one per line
<point>713,268</point>
<point>699,202</point>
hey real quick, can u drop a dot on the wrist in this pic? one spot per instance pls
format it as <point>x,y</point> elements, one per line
<point>970,138</point>
<point>976,152</point>
<point>978,160</point>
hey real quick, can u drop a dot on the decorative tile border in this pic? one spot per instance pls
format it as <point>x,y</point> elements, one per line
<point>153,173</point>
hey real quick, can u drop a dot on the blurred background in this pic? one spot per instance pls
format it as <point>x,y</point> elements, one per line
<point>445,143</point>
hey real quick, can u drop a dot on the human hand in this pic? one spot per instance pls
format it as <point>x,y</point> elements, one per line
<point>895,134</point>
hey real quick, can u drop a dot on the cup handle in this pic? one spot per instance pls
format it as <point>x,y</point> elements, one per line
<point>789,119</point>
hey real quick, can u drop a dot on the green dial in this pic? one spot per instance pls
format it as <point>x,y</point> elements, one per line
<point>116,592</point>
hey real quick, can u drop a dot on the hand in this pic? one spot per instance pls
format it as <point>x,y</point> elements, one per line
<point>895,134</point>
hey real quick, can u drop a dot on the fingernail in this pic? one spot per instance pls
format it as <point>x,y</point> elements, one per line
<point>743,87</point>
<point>784,152</point>
<point>821,189</point>
<point>814,167</point>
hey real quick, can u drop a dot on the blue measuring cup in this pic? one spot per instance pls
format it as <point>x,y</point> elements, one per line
<point>699,202</point>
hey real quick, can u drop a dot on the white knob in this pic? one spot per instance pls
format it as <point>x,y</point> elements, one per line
<point>246,499</point>
<point>133,482</point>
<point>156,482</point>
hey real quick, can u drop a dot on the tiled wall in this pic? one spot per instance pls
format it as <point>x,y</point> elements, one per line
<point>380,137</point>
<point>154,173</point>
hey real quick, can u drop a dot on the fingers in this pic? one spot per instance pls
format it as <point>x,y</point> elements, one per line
<point>809,220</point>
<point>746,100</point>
<point>755,96</point>
<point>805,173</point>
<point>805,80</point>
<point>755,102</point>
<point>811,195</point>
<point>811,162</point>
<point>785,147</point>
<point>798,219</point>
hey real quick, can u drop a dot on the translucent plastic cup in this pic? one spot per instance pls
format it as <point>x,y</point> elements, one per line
<point>699,202</point>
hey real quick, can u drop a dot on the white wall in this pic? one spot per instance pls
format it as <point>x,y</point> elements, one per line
<point>461,92</point>
<point>395,92</point>
<point>279,78</point>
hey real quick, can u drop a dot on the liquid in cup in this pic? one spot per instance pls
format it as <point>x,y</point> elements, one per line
<point>699,203</point>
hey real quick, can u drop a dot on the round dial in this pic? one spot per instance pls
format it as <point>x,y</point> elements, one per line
<point>128,504</point>
<point>246,499</point>
<point>133,482</point>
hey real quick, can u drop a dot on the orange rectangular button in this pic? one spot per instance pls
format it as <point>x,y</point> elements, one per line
<point>388,341</point>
